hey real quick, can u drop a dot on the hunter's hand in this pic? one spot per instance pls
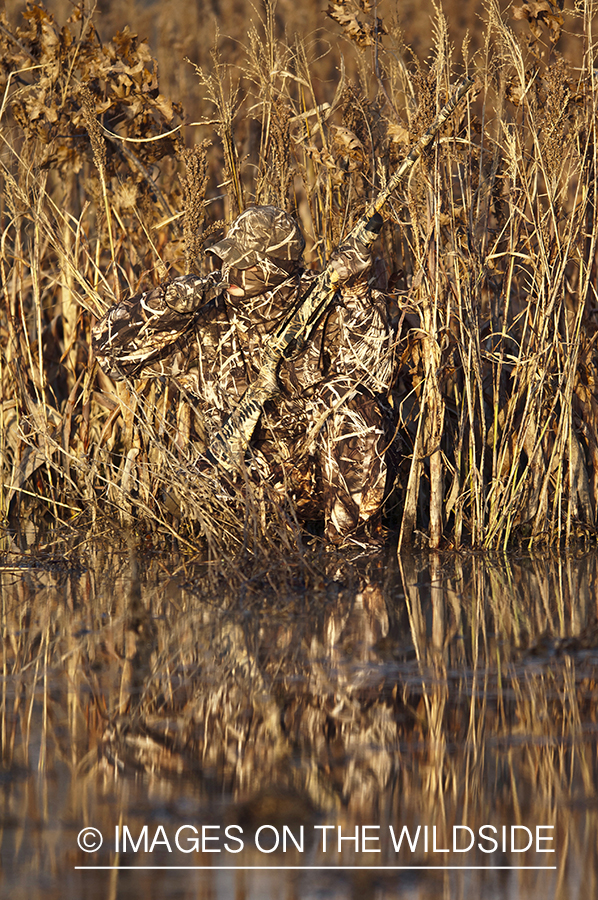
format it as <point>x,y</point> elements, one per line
<point>354,256</point>
<point>188,293</point>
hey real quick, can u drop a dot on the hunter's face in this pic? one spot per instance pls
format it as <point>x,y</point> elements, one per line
<point>245,282</point>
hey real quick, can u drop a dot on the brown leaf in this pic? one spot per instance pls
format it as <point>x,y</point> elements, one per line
<point>348,141</point>
<point>398,133</point>
<point>541,11</point>
<point>164,106</point>
<point>363,34</point>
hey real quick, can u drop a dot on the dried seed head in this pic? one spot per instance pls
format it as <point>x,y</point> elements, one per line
<point>126,195</point>
<point>425,90</point>
<point>98,144</point>
<point>194,191</point>
<point>277,173</point>
<point>553,118</point>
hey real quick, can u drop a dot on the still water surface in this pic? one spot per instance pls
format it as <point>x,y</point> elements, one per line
<point>195,719</point>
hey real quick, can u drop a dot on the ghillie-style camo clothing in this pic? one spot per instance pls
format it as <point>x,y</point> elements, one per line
<point>324,441</point>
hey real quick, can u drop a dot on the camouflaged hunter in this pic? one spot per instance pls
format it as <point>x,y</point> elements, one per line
<point>323,441</point>
<point>293,367</point>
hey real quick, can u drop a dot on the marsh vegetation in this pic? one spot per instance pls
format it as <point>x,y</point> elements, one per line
<point>490,250</point>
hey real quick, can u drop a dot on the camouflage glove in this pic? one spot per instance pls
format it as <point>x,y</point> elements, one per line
<point>354,257</point>
<point>188,293</point>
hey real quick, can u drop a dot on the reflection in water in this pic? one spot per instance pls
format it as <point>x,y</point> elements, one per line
<point>344,694</point>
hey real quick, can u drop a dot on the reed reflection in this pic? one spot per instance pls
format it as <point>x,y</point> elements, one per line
<point>445,691</point>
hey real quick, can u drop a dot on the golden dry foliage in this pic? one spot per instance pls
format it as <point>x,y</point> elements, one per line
<point>490,252</point>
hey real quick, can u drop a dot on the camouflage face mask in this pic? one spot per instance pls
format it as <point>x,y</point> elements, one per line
<point>250,281</point>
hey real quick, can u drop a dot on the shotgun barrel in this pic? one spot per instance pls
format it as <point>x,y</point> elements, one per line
<point>228,445</point>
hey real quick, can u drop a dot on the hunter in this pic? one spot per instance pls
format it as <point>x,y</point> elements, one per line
<point>324,441</point>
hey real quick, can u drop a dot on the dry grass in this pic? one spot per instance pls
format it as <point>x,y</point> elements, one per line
<point>491,249</point>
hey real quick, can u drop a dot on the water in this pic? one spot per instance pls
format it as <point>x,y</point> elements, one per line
<point>174,709</point>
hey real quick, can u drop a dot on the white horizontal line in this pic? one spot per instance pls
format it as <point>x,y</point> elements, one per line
<point>318,868</point>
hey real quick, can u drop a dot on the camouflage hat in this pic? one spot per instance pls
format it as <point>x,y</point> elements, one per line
<point>261,236</point>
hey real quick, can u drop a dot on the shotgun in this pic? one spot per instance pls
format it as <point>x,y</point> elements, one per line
<point>228,445</point>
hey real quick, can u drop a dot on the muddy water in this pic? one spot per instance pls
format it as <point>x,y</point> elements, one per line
<point>421,729</point>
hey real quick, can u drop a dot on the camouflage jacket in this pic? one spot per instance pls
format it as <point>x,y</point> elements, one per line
<point>324,441</point>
